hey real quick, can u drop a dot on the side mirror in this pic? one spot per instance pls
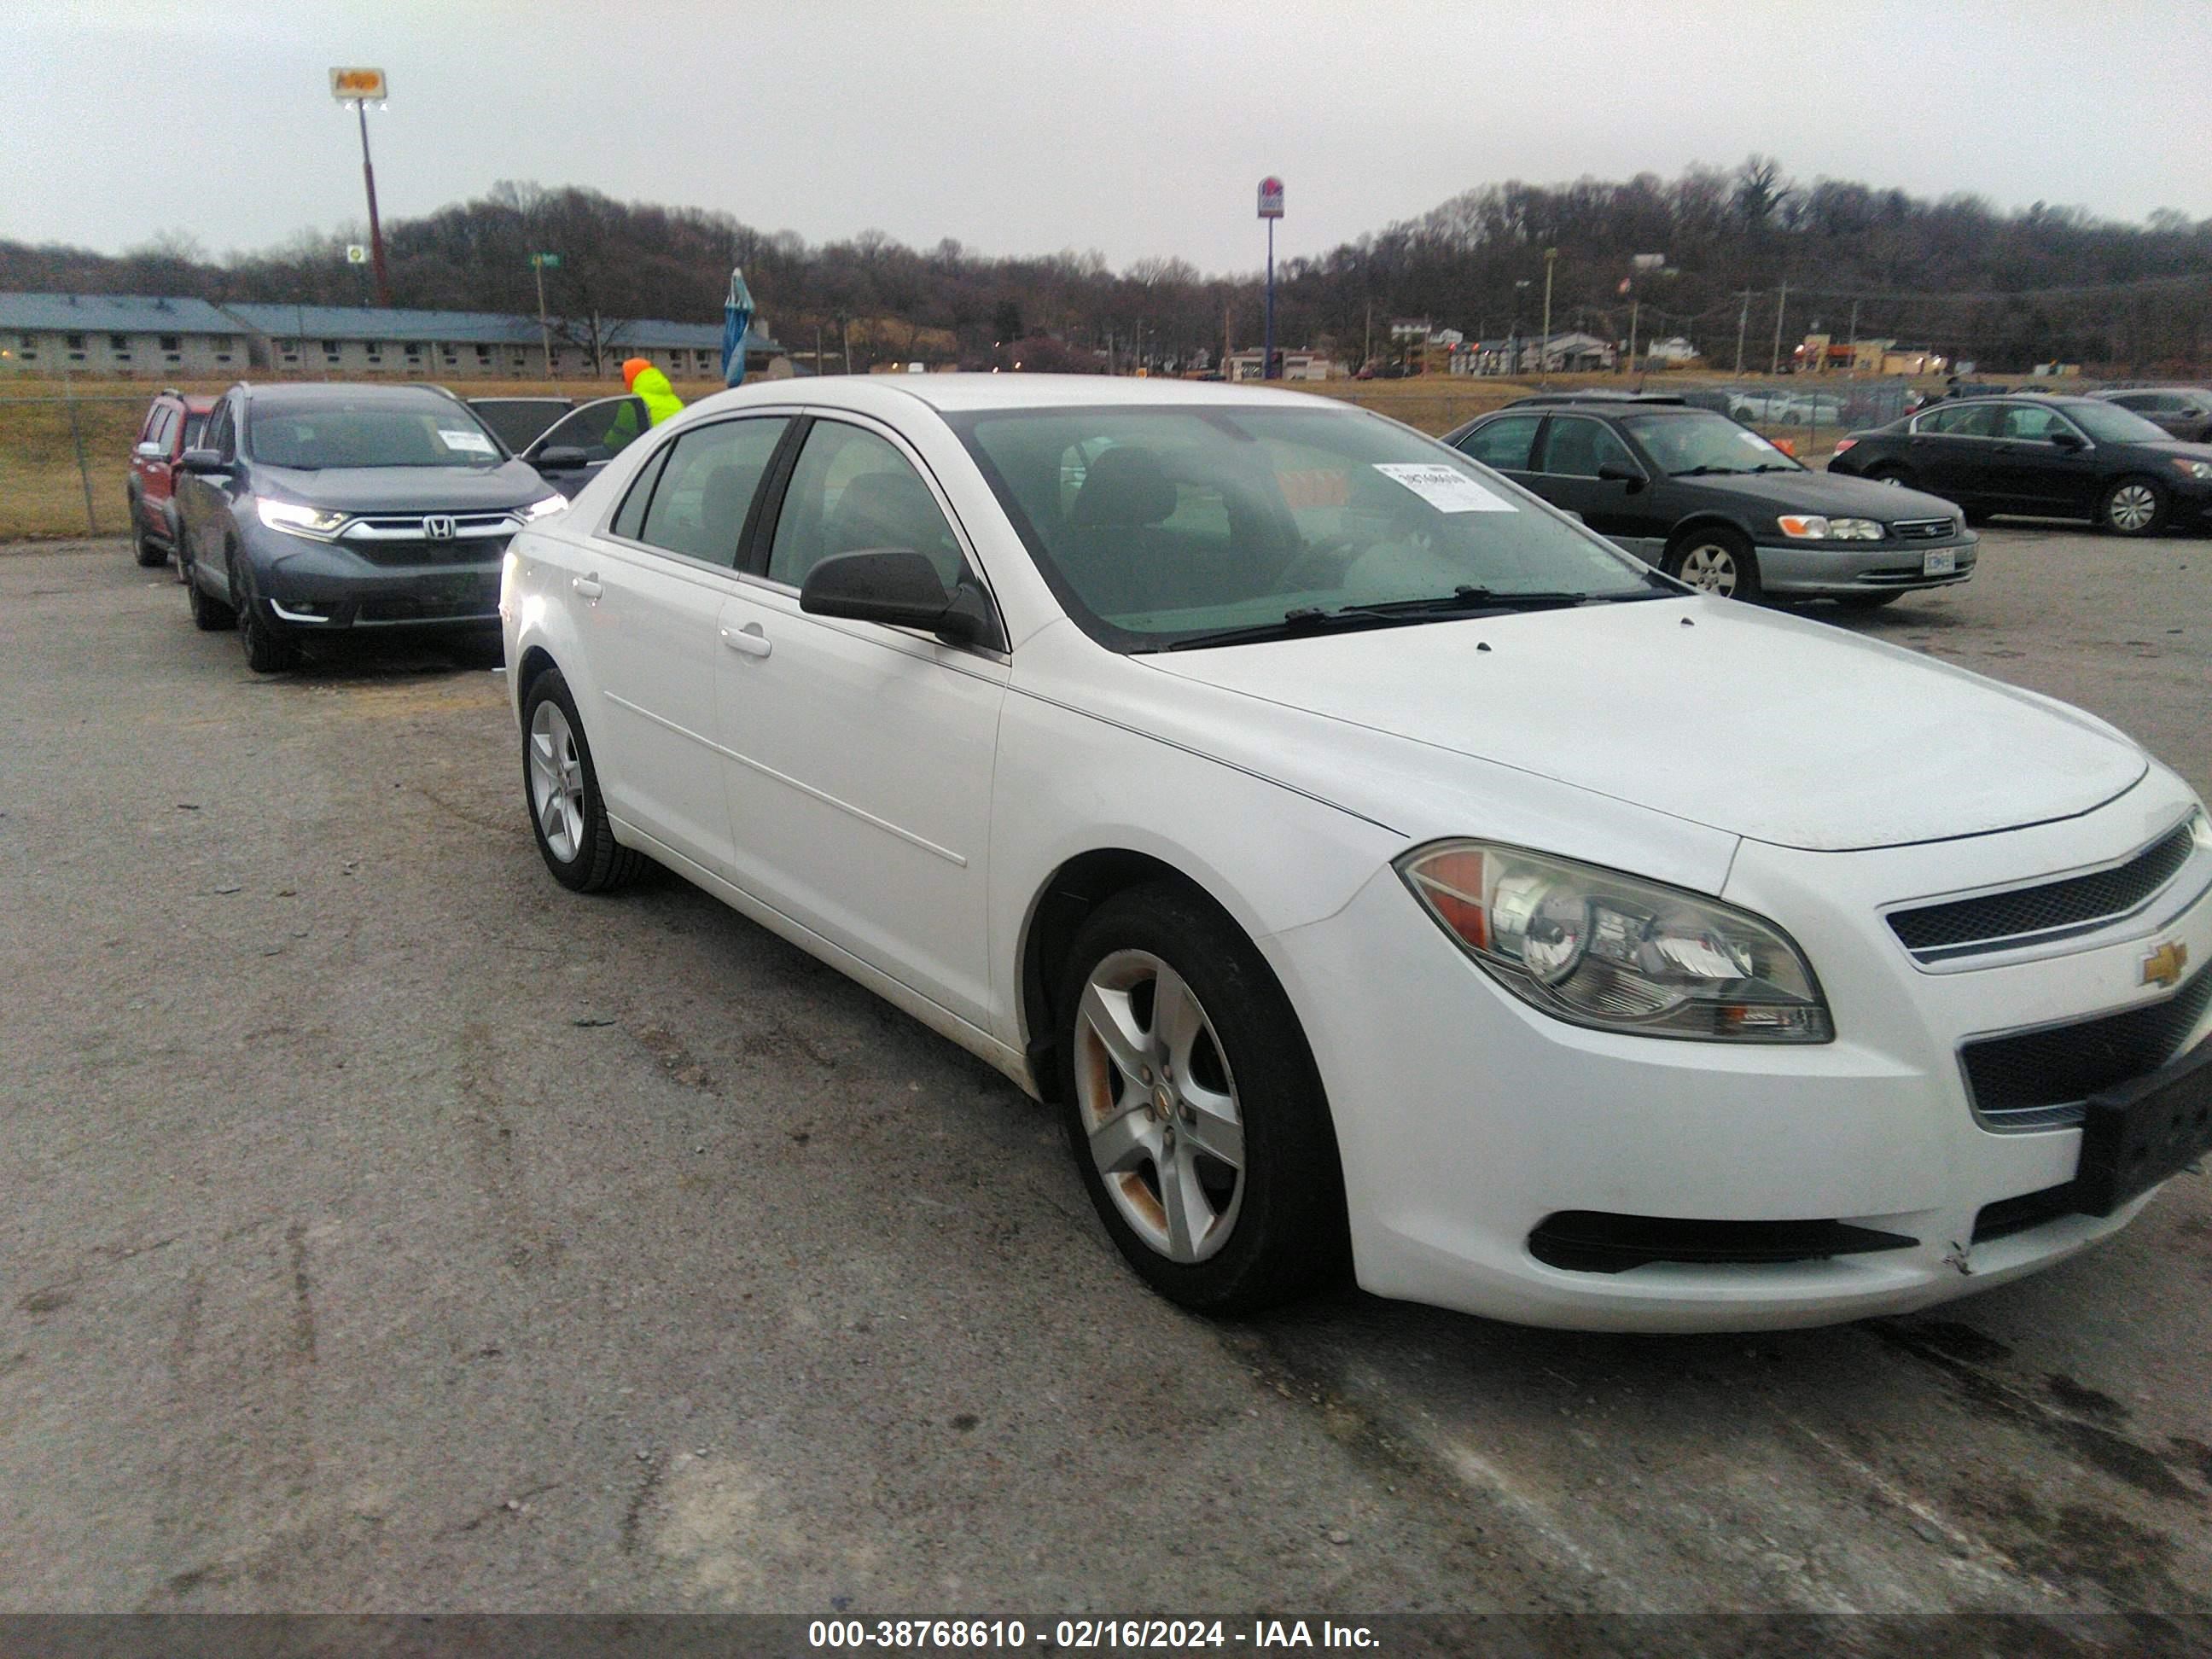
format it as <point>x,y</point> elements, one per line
<point>897,586</point>
<point>2066,440</point>
<point>203,461</point>
<point>1614,473</point>
<point>561,457</point>
<point>151,451</point>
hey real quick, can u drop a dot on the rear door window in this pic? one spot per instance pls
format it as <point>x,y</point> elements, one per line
<point>1503,443</point>
<point>1966,421</point>
<point>602,430</point>
<point>705,486</point>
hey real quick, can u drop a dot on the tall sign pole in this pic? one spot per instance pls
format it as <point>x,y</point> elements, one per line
<point>361,88</point>
<point>1544,348</point>
<point>1271,209</point>
<point>537,264</point>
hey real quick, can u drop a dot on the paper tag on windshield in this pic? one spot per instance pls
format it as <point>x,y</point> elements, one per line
<point>475,442</point>
<point>1444,488</point>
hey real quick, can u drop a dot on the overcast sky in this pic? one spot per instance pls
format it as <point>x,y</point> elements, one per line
<point>1132,127</point>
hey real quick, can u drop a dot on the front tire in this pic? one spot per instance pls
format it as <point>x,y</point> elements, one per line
<point>1717,561</point>
<point>269,649</point>
<point>561,788</point>
<point>1194,1109</point>
<point>149,553</point>
<point>2133,507</point>
<point>209,615</point>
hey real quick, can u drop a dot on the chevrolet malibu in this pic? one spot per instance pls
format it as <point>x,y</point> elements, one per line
<point>1276,791</point>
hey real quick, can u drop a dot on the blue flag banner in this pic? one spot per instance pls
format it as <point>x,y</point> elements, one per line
<point>737,318</point>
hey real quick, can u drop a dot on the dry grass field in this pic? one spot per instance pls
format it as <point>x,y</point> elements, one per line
<point>42,494</point>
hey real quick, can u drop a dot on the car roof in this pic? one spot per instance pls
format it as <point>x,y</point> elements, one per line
<point>2040,399</point>
<point>949,394</point>
<point>1616,406</point>
<point>327,391</point>
<point>1598,395</point>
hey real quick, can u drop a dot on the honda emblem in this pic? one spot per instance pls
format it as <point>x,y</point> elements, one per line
<point>439,527</point>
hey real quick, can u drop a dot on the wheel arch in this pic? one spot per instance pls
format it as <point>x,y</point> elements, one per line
<point>1056,913</point>
<point>1707,518</point>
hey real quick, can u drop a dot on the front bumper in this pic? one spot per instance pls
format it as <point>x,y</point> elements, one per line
<point>330,587</point>
<point>1835,569</point>
<point>1465,1119</point>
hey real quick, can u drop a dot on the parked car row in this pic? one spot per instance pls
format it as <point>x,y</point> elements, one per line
<point>298,510</point>
<point>2057,457</point>
<point>1267,786</point>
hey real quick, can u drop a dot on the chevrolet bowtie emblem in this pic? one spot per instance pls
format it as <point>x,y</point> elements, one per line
<point>2163,966</point>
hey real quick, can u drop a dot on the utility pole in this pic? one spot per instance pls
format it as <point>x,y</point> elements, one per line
<point>1855,335</point>
<point>1774,364</point>
<point>1635,301</point>
<point>1741,324</point>
<point>1367,351</point>
<point>1544,347</point>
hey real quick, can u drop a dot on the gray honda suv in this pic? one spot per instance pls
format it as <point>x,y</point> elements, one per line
<point>317,509</point>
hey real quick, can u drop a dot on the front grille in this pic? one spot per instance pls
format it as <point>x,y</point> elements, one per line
<point>2033,915</point>
<point>481,550</point>
<point>2038,1079</point>
<point>1923,530</point>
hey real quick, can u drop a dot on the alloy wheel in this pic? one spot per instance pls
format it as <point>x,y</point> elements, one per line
<point>1710,567</point>
<point>556,781</point>
<point>1159,1106</point>
<point>2132,506</point>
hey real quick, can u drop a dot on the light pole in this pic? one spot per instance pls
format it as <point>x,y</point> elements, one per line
<point>361,86</point>
<point>1544,345</point>
<point>1271,209</point>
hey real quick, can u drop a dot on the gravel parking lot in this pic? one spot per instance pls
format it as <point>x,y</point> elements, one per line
<point>383,1227</point>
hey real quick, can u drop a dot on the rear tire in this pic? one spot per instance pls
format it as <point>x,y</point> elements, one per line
<point>1198,1124</point>
<point>2134,506</point>
<point>560,788</point>
<point>1717,560</point>
<point>149,553</point>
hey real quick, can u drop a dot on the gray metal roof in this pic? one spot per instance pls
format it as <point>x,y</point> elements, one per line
<point>374,323</point>
<point>124,313</point>
<point>110,313</point>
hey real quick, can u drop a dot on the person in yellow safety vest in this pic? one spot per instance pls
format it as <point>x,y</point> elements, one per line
<point>650,387</point>
<point>646,381</point>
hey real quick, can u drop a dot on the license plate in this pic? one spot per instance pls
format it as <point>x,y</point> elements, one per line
<point>1943,563</point>
<point>2136,1136</point>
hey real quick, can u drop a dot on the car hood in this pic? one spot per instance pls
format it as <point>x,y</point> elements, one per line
<point>408,488</point>
<point>1830,494</point>
<point>1708,710</point>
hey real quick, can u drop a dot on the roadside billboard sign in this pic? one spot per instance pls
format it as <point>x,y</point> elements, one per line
<point>1271,199</point>
<point>350,86</point>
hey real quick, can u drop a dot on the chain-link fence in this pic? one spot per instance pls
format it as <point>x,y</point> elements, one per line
<point>65,459</point>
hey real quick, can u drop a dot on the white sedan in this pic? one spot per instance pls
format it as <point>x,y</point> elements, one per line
<point>1312,816</point>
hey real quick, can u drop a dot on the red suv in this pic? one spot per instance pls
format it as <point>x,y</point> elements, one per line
<point>172,425</point>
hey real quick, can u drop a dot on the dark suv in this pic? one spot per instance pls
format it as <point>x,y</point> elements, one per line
<point>1710,501</point>
<point>315,509</point>
<point>172,425</point>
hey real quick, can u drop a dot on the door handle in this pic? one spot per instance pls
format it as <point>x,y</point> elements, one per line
<point>748,640</point>
<point>590,586</point>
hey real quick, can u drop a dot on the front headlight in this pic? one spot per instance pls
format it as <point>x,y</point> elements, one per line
<point>1811,527</point>
<point>1600,949</point>
<point>539,509</point>
<point>318,523</point>
<point>2188,468</point>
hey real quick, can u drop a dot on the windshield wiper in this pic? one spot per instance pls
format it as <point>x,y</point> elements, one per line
<point>1778,466</point>
<point>1466,597</point>
<point>1294,625</point>
<point>1702,470</point>
<point>1388,613</point>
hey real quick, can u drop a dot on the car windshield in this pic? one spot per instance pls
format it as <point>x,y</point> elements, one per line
<point>1164,526</point>
<point>1703,443</point>
<point>347,433</point>
<point>2110,423</point>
